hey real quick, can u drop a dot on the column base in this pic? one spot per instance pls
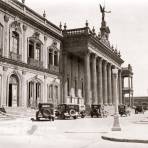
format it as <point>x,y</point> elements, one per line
<point>87,109</point>
<point>116,125</point>
<point>110,104</point>
<point>116,129</point>
<point>105,104</point>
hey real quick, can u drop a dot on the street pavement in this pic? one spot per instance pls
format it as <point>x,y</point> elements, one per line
<point>80,133</point>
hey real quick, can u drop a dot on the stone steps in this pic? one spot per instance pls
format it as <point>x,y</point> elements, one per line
<point>20,112</point>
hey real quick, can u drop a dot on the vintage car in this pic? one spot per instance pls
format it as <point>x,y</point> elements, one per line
<point>95,111</point>
<point>139,109</point>
<point>66,111</point>
<point>82,112</point>
<point>45,111</point>
<point>98,111</point>
<point>123,110</point>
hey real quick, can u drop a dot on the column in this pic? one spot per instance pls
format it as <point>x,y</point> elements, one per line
<point>94,80</point>
<point>24,90</point>
<point>129,85</point>
<point>4,87</point>
<point>116,125</point>
<point>120,88</point>
<point>100,93</point>
<point>105,83</point>
<point>109,84</point>
<point>53,57</point>
<point>6,37</point>
<point>24,51</point>
<point>65,77</point>
<point>45,89</point>
<point>45,53</point>
<point>87,78</point>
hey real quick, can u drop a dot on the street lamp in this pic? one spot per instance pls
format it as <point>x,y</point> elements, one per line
<point>116,125</point>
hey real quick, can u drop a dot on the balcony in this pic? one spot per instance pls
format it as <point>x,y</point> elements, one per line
<point>15,56</point>
<point>35,62</point>
<point>53,68</point>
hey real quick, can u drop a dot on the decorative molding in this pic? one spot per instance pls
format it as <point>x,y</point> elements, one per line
<point>6,18</point>
<point>45,38</point>
<point>24,27</point>
<point>36,35</point>
<point>24,72</point>
<point>5,68</point>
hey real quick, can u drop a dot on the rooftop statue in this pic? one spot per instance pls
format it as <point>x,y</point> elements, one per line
<point>103,11</point>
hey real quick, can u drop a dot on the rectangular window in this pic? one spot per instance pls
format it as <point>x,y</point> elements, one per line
<point>31,49</point>
<point>15,42</point>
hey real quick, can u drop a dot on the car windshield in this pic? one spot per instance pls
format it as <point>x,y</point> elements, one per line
<point>95,106</point>
<point>61,106</point>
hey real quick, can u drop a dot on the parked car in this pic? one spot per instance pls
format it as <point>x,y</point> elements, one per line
<point>45,111</point>
<point>123,110</point>
<point>139,109</point>
<point>67,111</point>
<point>82,112</point>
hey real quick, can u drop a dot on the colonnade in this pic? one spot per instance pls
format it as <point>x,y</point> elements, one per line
<point>99,81</point>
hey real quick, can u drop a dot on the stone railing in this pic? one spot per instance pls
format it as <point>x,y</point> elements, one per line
<point>53,68</point>
<point>35,62</point>
<point>78,31</point>
<point>15,56</point>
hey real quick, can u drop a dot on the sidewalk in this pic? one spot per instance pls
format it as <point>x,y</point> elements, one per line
<point>135,132</point>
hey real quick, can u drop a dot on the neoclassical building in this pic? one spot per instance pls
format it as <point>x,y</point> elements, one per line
<point>40,62</point>
<point>29,57</point>
<point>88,60</point>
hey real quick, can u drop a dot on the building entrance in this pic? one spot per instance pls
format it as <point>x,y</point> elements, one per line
<point>13,100</point>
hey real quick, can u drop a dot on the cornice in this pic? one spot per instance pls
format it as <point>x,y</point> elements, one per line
<point>104,49</point>
<point>7,7</point>
<point>21,64</point>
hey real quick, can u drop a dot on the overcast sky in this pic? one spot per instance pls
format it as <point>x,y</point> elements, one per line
<point>128,23</point>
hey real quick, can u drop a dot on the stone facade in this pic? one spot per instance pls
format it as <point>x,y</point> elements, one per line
<point>29,57</point>
<point>87,68</point>
<point>40,62</point>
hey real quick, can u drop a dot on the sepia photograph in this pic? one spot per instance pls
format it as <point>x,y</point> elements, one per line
<point>73,74</point>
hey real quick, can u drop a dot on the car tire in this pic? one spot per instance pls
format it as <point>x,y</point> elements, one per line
<point>37,116</point>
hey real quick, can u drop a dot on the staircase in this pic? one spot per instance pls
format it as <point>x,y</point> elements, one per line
<point>20,112</point>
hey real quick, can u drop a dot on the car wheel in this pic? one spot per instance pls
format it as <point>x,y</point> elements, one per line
<point>75,117</point>
<point>52,118</point>
<point>37,116</point>
<point>63,116</point>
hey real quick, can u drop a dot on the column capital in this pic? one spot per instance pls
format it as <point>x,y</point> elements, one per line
<point>115,72</point>
<point>94,55</point>
<point>88,52</point>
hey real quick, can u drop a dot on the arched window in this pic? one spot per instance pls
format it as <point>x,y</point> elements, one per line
<point>1,37</point>
<point>15,42</point>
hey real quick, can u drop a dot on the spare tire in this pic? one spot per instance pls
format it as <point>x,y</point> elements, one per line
<point>72,112</point>
<point>46,113</point>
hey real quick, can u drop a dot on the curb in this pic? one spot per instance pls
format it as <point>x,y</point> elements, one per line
<point>124,140</point>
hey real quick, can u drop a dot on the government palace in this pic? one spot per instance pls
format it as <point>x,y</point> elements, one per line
<point>41,62</point>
